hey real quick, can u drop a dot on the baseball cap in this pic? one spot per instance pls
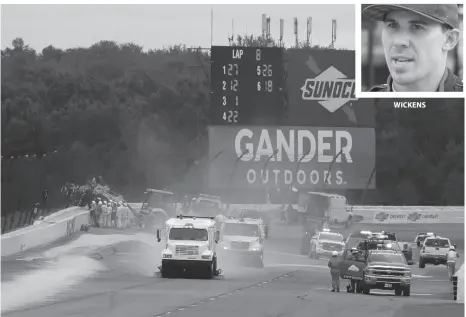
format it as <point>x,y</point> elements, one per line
<point>442,13</point>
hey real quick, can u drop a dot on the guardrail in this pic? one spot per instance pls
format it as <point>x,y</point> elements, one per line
<point>21,219</point>
<point>59,225</point>
<point>406,208</point>
<point>407,214</point>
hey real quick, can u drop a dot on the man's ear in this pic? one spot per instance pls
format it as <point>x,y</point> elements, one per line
<point>451,39</point>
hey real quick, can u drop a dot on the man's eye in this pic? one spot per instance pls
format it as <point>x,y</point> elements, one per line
<point>417,27</point>
<point>392,25</point>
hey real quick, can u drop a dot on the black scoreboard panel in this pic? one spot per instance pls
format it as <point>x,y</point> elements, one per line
<point>247,85</point>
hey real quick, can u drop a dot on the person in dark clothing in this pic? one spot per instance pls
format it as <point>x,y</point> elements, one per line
<point>334,265</point>
<point>114,215</point>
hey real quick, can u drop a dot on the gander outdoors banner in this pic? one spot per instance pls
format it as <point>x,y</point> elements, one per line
<point>321,90</point>
<point>259,157</point>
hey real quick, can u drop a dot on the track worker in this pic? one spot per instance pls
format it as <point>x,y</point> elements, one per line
<point>452,255</point>
<point>334,265</point>
<point>416,39</point>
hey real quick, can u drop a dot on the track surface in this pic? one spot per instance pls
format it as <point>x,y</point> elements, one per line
<point>289,285</point>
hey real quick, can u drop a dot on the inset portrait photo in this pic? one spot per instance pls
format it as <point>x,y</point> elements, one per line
<point>410,49</point>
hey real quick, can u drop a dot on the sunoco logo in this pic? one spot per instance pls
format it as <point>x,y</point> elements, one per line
<point>331,87</point>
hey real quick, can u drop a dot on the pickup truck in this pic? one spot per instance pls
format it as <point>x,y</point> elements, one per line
<point>387,270</point>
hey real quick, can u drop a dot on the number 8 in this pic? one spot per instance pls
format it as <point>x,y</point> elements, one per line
<point>258,55</point>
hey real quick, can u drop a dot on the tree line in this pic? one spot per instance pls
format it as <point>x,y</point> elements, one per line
<point>139,120</point>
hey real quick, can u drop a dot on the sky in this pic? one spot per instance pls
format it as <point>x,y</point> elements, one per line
<point>158,26</point>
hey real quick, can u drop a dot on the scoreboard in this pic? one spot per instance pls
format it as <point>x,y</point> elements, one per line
<point>247,85</point>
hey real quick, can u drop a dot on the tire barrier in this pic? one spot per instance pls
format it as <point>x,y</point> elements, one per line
<point>455,287</point>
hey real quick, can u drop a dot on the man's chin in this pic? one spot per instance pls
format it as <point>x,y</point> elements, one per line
<point>403,80</point>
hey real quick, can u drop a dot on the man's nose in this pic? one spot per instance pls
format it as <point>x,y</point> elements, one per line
<point>401,38</point>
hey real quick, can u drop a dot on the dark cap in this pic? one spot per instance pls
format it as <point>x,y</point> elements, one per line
<point>441,13</point>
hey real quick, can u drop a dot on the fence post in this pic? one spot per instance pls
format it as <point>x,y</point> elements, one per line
<point>455,288</point>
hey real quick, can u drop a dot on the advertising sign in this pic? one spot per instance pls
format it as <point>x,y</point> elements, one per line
<point>321,90</point>
<point>304,157</point>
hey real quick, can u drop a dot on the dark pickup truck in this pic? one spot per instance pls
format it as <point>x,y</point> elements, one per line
<point>353,260</point>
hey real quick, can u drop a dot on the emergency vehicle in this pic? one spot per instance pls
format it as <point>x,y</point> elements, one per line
<point>244,238</point>
<point>387,270</point>
<point>207,205</point>
<point>354,258</point>
<point>434,251</point>
<point>421,236</point>
<point>325,242</point>
<point>190,244</point>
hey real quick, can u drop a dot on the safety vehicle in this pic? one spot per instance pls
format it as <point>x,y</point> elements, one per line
<point>387,270</point>
<point>434,251</point>
<point>324,243</point>
<point>421,236</point>
<point>243,239</point>
<point>190,244</point>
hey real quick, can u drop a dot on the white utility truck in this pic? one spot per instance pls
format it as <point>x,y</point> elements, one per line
<point>243,238</point>
<point>190,245</point>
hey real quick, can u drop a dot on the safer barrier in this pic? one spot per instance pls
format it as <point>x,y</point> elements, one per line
<point>408,214</point>
<point>61,224</point>
<point>458,289</point>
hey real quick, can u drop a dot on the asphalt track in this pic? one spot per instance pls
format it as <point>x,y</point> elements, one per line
<point>289,285</point>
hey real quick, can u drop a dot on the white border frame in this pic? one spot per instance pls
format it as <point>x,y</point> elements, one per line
<point>358,63</point>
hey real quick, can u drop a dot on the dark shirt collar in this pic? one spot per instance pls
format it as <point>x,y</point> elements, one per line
<point>441,86</point>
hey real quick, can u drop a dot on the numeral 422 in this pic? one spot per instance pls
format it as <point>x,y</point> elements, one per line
<point>231,116</point>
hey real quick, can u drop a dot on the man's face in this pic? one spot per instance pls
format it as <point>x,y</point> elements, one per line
<point>412,45</point>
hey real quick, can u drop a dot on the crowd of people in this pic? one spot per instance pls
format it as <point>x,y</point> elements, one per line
<point>110,214</point>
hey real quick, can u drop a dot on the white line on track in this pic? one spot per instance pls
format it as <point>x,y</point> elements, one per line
<point>298,265</point>
<point>375,292</point>
<point>288,254</point>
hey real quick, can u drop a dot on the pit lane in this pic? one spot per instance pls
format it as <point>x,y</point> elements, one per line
<point>289,285</point>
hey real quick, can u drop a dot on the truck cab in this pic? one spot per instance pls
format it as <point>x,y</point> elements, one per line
<point>434,251</point>
<point>158,206</point>
<point>325,242</point>
<point>243,239</point>
<point>190,243</point>
<point>387,270</point>
<point>207,206</point>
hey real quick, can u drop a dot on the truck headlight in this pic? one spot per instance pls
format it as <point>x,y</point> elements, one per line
<point>369,271</point>
<point>255,247</point>
<point>407,274</point>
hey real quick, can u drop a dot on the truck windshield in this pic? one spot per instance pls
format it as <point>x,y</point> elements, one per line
<point>206,207</point>
<point>387,258</point>
<point>440,243</point>
<point>188,234</point>
<point>331,237</point>
<point>241,229</point>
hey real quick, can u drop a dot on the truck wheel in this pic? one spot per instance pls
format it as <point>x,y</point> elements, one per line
<point>406,291</point>
<point>421,264</point>
<point>366,290</point>
<point>398,291</point>
<point>359,287</point>
<point>261,261</point>
<point>210,271</point>
<point>165,271</point>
